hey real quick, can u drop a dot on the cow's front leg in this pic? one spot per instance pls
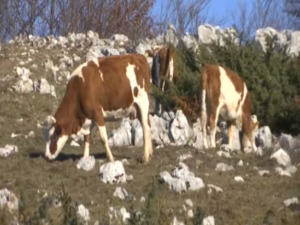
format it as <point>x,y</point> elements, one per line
<point>103,137</point>
<point>86,146</point>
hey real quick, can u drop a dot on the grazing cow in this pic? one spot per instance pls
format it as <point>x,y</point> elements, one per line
<point>224,93</point>
<point>95,90</point>
<point>163,67</point>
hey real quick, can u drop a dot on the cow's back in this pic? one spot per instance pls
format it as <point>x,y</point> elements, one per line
<point>111,80</point>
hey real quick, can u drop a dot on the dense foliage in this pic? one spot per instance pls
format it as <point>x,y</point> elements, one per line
<point>273,79</point>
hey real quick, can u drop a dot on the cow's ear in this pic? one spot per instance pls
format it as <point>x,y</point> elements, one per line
<point>149,53</point>
<point>50,120</point>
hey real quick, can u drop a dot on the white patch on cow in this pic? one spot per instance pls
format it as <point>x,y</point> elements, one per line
<point>101,75</point>
<point>85,128</point>
<point>60,144</point>
<point>229,97</point>
<point>86,149</point>
<point>96,61</point>
<point>78,71</point>
<point>171,70</point>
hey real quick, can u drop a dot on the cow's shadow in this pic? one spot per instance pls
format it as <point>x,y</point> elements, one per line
<point>65,157</point>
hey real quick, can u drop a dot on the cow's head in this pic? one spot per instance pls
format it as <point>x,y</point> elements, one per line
<point>55,139</point>
<point>249,134</point>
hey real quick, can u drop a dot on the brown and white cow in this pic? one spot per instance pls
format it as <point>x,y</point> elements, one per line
<point>163,67</point>
<point>94,91</point>
<point>225,94</point>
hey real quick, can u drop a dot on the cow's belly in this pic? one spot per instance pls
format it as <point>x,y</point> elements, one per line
<point>120,113</point>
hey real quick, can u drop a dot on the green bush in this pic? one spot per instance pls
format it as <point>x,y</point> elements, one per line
<point>273,79</point>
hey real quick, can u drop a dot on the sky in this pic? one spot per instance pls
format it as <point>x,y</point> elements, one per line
<point>222,10</point>
<point>218,9</point>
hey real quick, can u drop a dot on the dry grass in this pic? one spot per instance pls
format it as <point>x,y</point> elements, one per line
<point>30,176</point>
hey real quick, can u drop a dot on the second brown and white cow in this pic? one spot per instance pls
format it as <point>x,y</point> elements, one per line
<point>225,94</point>
<point>163,68</point>
<point>95,90</point>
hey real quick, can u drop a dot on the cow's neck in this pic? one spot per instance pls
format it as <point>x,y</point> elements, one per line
<point>69,114</point>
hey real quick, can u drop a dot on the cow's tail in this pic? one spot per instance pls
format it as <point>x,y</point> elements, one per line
<point>170,64</point>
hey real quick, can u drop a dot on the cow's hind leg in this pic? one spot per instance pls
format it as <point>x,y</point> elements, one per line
<point>143,109</point>
<point>231,128</point>
<point>213,119</point>
<point>86,145</point>
<point>204,119</point>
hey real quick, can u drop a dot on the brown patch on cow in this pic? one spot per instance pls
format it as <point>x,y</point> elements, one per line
<point>211,84</point>
<point>135,91</point>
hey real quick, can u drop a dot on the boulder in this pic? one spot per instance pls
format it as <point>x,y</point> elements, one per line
<point>113,172</point>
<point>264,137</point>
<point>42,86</point>
<point>180,131</point>
<point>86,163</point>
<point>121,136</point>
<point>281,157</point>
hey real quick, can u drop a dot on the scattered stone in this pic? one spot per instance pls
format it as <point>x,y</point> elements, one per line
<point>263,173</point>
<point>113,172</point>
<point>291,201</point>
<point>117,214</point>
<point>121,193</point>
<point>240,163</point>
<point>176,222</point>
<point>282,172</point>
<point>83,213</point>
<point>86,163</point>
<point>8,150</point>
<point>281,157</point>
<point>222,167</point>
<point>189,202</point>
<point>212,188</point>
<point>190,213</point>
<point>239,179</point>
<point>181,179</point>
<point>8,199</point>
<point>184,157</point>
<point>143,199</point>
<point>210,220</point>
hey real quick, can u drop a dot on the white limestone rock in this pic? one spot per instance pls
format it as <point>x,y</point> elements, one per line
<point>122,136</point>
<point>180,131</point>
<point>281,157</point>
<point>42,86</point>
<point>121,193</point>
<point>137,133</point>
<point>113,172</point>
<point>290,201</point>
<point>9,199</point>
<point>159,130</point>
<point>209,220</point>
<point>222,167</point>
<point>8,150</point>
<point>181,179</point>
<point>83,213</point>
<point>86,163</point>
<point>239,179</point>
<point>264,137</point>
